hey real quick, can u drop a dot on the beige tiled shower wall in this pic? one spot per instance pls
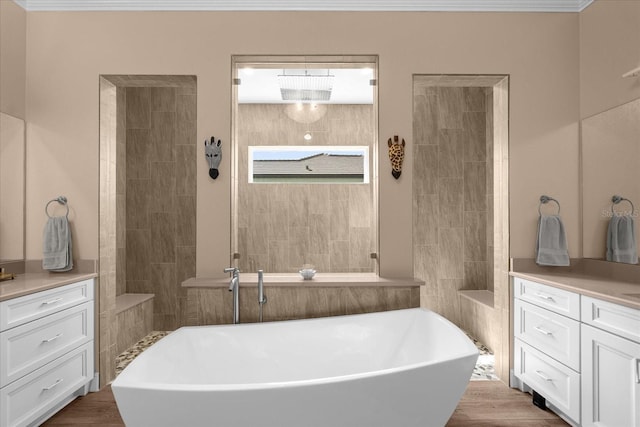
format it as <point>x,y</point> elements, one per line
<point>213,306</point>
<point>283,226</point>
<point>489,185</point>
<point>121,192</point>
<point>452,187</point>
<point>160,197</point>
<point>133,324</point>
<point>106,294</point>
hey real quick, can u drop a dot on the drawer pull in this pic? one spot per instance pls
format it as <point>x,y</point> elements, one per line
<point>53,301</point>
<point>543,331</point>
<point>52,385</point>
<point>546,297</point>
<point>543,376</point>
<point>637,371</point>
<point>52,338</point>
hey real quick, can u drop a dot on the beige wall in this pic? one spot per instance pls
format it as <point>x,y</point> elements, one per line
<point>68,51</point>
<point>609,47</point>
<point>13,38</point>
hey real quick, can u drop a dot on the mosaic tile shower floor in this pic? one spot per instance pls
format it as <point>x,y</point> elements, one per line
<point>132,352</point>
<point>484,369</point>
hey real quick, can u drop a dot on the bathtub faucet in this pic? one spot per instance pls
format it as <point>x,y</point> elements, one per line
<point>262,298</point>
<point>234,286</point>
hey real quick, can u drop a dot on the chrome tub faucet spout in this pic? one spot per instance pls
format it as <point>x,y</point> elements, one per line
<point>262,298</point>
<point>234,286</point>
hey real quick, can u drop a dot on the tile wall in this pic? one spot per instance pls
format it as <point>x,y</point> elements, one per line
<point>133,323</point>
<point>121,192</point>
<point>106,290</point>
<point>452,194</point>
<point>212,306</point>
<point>283,226</point>
<point>157,213</point>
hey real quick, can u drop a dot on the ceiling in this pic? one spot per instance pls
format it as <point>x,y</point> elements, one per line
<point>309,5</point>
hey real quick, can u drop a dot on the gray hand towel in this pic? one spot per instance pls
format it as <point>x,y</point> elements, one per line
<point>551,242</point>
<point>57,245</point>
<point>621,240</point>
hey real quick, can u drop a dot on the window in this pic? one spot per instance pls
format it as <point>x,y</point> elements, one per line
<point>308,164</point>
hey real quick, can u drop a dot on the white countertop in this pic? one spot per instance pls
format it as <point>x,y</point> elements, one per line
<point>612,290</point>
<point>28,283</point>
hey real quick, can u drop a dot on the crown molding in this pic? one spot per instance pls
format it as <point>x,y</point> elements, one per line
<point>309,5</point>
<point>583,4</point>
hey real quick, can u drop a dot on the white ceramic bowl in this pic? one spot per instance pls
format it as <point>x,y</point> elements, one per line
<point>307,273</point>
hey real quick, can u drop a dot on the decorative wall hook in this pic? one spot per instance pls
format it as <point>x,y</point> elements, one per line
<point>213,153</point>
<point>396,155</point>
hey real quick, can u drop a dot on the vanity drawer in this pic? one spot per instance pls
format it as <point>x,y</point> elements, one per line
<point>27,399</point>
<point>558,384</point>
<point>30,346</point>
<point>18,311</point>
<point>554,299</point>
<point>614,318</point>
<point>553,334</point>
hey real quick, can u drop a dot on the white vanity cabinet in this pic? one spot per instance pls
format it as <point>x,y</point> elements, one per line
<point>46,352</point>
<point>582,354</point>
<point>546,325</point>
<point>610,364</point>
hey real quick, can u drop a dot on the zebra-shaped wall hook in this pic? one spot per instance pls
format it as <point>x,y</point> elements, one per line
<point>213,153</point>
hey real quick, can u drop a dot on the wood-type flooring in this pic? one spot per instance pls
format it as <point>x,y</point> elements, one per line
<point>484,404</point>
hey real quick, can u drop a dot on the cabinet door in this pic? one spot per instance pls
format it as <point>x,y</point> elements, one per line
<point>610,379</point>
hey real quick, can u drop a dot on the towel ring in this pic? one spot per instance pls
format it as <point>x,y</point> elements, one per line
<point>62,200</point>
<point>617,199</point>
<point>547,199</point>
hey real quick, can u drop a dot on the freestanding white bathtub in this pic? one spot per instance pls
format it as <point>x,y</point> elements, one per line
<point>391,369</point>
